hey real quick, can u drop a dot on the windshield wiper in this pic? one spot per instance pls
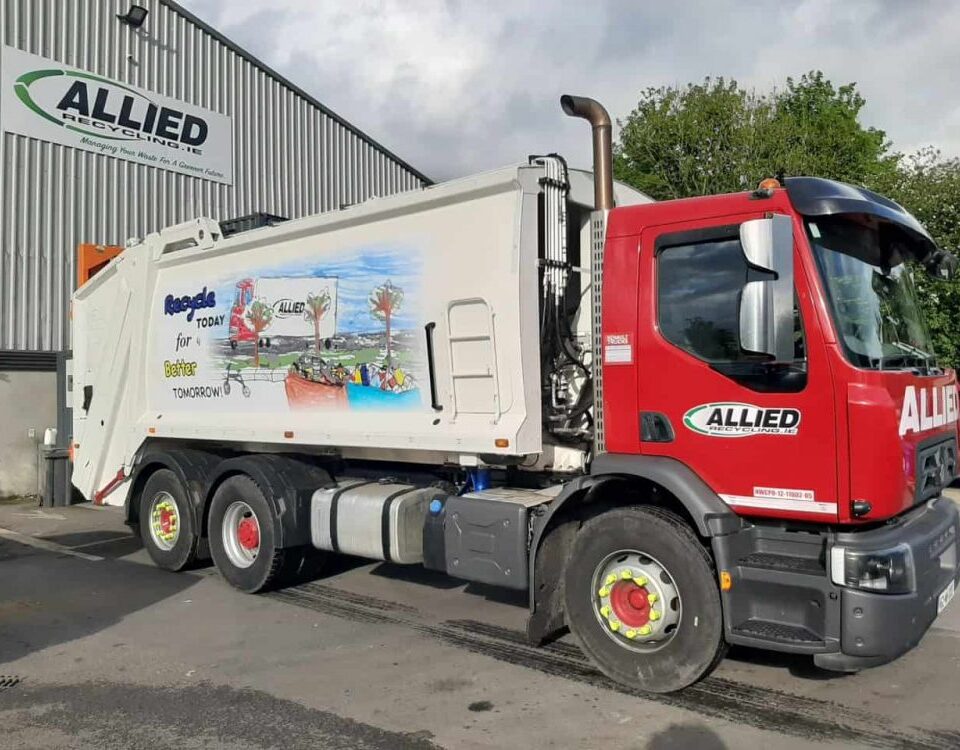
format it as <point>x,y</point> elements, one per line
<point>913,358</point>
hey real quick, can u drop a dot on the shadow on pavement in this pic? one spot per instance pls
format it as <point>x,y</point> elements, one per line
<point>419,575</point>
<point>110,544</point>
<point>121,716</point>
<point>47,598</point>
<point>798,665</point>
<point>686,737</point>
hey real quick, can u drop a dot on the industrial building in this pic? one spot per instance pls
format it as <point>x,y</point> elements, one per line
<point>118,120</point>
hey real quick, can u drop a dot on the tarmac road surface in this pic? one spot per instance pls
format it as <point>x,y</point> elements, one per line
<point>99,649</point>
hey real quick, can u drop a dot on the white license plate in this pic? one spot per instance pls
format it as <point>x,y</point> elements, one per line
<point>945,596</point>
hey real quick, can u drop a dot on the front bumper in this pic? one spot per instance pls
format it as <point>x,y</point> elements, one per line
<point>877,628</point>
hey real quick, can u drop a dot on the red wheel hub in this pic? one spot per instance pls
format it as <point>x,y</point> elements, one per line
<point>248,533</point>
<point>166,521</point>
<point>630,604</point>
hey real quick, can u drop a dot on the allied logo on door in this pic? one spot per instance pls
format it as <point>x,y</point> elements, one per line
<point>734,419</point>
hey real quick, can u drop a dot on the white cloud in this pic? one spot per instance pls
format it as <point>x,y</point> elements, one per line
<point>459,86</point>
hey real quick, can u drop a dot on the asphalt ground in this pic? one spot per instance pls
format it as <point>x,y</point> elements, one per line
<point>99,649</point>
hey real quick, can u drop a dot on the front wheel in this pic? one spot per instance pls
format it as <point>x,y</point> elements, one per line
<point>243,536</point>
<point>642,599</point>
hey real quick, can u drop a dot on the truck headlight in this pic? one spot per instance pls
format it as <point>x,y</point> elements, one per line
<point>887,571</point>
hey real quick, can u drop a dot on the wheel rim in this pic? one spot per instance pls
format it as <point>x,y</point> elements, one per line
<point>164,521</point>
<point>241,534</point>
<point>636,600</point>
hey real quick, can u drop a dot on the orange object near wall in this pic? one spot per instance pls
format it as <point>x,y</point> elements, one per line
<point>92,258</point>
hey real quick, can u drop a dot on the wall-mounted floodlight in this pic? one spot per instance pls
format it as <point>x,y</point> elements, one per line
<point>135,16</point>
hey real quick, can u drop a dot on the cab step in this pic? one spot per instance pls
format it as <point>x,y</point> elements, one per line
<point>786,563</point>
<point>777,632</point>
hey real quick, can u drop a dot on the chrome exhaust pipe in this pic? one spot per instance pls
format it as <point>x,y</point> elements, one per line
<point>594,112</point>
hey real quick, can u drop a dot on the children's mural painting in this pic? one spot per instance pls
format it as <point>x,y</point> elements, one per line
<point>334,334</point>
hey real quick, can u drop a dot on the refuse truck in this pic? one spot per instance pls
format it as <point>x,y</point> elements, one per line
<point>676,425</point>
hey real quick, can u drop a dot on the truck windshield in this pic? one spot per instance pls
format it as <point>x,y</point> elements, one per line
<point>871,292</point>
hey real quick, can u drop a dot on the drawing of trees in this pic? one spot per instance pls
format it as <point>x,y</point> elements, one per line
<point>317,307</point>
<point>259,317</point>
<point>385,300</point>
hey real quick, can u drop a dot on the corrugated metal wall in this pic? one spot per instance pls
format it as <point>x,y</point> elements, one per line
<point>291,156</point>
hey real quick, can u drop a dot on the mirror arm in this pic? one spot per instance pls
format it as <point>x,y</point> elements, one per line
<point>941,265</point>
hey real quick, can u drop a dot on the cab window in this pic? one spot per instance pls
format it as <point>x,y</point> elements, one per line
<point>700,279</point>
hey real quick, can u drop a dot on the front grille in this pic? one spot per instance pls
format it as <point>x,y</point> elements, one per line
<point>936,467</point>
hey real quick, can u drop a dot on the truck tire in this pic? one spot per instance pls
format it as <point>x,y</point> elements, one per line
<point>167,525</point>
<point>641,597</point>
<point>243,537</point>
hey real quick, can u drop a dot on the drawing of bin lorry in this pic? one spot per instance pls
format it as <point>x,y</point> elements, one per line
<point>287,296</point>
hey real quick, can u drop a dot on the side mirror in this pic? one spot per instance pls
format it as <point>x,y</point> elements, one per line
<point>941,265</point>
<point>766,306</point>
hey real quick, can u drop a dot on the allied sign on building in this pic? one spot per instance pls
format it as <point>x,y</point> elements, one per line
<point>53,102</point>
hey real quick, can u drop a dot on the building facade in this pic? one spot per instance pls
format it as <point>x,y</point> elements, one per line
<point>112,130</point>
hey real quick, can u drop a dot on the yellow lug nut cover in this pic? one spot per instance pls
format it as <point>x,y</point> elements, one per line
<point>605,610</point>
<point>631,634</point>
<point>626,575</point>
<point>654,615</point>
<point>652,598</point>
<point>605,591</point>
<point>611,579</point>
<point>641,580</point>
<point>614,626</point>
<point>646,630</point>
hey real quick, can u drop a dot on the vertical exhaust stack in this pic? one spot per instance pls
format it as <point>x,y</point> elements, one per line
<point>594,112</point>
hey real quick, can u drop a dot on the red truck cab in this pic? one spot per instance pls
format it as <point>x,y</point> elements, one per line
<point>816,411</point>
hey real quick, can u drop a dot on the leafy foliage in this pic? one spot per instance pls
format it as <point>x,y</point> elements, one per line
<point>928,186</point>
<point>259,316</point>
<point>717,137</point>
<point>317,306</point>
<point>384,301</point>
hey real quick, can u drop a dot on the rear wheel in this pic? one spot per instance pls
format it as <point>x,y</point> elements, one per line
<point>642,599</point>
<point>167,527</point>
<point>243,537</point>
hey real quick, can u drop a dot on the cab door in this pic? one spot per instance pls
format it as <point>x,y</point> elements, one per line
<point>761,435</point>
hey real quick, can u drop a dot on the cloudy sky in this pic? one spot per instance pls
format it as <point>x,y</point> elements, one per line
<point>458,86</point>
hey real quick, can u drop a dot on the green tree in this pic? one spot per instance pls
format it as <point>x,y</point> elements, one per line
<point>928,186</point>
<point>384,301</point>
<point>815,130</point>
<point>317,307</point>
<point>259,316</point>
<point>716,137</point>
